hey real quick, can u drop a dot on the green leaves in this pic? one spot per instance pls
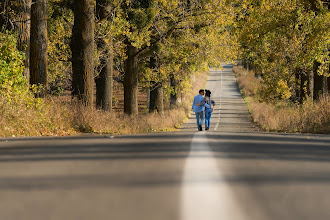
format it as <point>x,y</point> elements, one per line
<point>11,65</point>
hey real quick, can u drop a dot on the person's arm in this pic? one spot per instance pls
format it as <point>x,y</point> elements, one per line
<point>203,102</point>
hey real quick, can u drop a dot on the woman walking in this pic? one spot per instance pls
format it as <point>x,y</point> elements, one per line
<point>209,106</point>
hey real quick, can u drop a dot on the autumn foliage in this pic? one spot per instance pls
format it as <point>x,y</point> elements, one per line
<point>155,47</point>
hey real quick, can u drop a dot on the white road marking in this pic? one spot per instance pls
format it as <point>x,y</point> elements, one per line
<point>205,195</point>
<point>217,125</point>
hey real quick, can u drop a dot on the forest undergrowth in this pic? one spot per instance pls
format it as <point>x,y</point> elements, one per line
<point>24,115</point>
<point>283,115</point>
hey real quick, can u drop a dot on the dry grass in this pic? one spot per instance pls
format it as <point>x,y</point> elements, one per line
<point>247,82</point>
<point>283,116</point>
<point>118,123</point>
<point>55,117</point>
<point>20,118</point>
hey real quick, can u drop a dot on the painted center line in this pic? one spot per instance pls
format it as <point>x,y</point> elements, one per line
<point>205,194</point>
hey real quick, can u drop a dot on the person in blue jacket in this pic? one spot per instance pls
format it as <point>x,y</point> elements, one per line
<point>198,108</point>
<point>209,107</point>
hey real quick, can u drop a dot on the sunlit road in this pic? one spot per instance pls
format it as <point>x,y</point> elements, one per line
<point>233,171</point>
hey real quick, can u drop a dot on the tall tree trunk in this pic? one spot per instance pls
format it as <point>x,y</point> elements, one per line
<point>82,47</point>
<point>311,84</point>
<point>24,26</point>
<point>297,86</point>
<point>38,51</point>
<point>131,81</point>
<point>325,86</point>
<point>173,98</point>
<point>303,90</point>
<point>104,81</point>
<point>19,21</point>
<point>156,99</point>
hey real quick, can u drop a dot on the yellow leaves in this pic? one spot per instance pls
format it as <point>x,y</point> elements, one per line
<point>169,4</point>
<point>283,90</point>
<point>280,37</point>
<point>244,5</point>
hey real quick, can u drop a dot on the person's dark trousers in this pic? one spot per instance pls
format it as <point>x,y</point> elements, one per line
<point>200,119</point>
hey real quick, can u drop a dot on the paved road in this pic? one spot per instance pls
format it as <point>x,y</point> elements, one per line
<point>231,172</point>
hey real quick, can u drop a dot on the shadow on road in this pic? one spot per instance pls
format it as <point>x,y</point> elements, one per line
<point>279,147</point>
<point>168,147</point>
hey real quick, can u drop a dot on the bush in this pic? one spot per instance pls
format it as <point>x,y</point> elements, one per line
<point>12,81</point>
<point>21,113</point>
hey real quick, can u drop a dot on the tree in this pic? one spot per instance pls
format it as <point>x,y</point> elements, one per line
<point>17,17</point>
<point>283,40</point>
<point>151,23</point>
<point>131,80</point>
<point>82,48</point>
<point>38,51</point>
<point>12,81</point>
<point>155,88</point>
<point>139,15</point>
<point>60,23</point>
<point>104,80</point>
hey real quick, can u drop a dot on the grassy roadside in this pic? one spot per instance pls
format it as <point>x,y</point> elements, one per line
<point>119,123</point>
<point>283,116</point>
<point>51,117</point>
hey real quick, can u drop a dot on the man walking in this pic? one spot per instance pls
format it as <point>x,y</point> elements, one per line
<point>198,108</point>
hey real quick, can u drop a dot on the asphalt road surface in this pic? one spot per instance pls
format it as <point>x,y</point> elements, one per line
<point>233,171</point>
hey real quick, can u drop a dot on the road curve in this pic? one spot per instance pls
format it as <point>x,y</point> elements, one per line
<point>233,171</point>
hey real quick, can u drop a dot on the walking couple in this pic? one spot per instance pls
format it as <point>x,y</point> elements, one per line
<point>203,106</point>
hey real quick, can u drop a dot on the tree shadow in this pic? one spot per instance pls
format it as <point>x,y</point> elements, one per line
<point>166,145</point>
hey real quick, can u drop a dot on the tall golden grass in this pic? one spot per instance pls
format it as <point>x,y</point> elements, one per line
<point>283,116</point>
<point>22,116</point>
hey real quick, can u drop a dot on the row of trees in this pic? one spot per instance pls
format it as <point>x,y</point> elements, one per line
<point>158,44</point>
<point>149,42</point>
<point>287,43</point>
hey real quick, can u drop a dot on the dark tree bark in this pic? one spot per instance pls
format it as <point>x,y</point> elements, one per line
<point>325,85</point>
<point>311,84</point>
<point>297,93</point>
<point>156,99</point>
<point>303,79</point>
<point>38,51</point>
<point>318,85</point>
<point>156,102</point>
<point>131,80</point>
<point>82,47</point>
<point>104,81</point>
<point>22,25</point>
<point>174,97</point>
